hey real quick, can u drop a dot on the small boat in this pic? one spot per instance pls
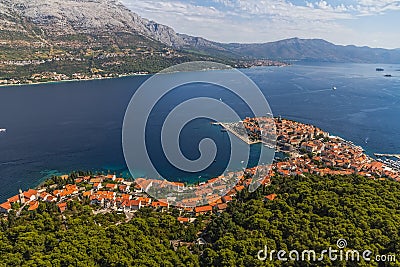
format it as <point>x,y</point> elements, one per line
<point>269,146</point>
<point>220,99</point>
<point>379,69</point>
<point>334,87</point>
<point>3,130</point>
<point>388,75</point>
<point>223,130</point>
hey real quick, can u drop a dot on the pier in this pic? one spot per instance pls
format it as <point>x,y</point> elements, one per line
<point>387,155</point>
<point>244,137</point>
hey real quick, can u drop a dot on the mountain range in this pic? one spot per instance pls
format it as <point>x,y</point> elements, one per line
<point>78,35</point>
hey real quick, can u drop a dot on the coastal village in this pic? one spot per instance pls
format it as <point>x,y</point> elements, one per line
<point>103,71</point>
<point>308,149</point>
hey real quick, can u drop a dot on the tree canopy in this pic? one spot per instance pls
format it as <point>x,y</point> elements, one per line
<point>310,212</point>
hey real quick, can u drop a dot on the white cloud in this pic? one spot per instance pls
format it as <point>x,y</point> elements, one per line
<point>262,20</point>
<point>372,7</point>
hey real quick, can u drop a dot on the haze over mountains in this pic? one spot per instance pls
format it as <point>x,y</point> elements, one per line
<point>91,24</point>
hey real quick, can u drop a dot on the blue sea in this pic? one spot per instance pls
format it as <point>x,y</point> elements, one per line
<point>59,127</point>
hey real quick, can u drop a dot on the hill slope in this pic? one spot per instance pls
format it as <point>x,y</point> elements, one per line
<point>309,213</point>
<point>91,38</point>
<point>82,38</point>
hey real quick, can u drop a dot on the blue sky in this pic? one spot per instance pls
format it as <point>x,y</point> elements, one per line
<point>360,22</point>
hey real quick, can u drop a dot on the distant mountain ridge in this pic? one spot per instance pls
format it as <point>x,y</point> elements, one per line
<point>315,50</point>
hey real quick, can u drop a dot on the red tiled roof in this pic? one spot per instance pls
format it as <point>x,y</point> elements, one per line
<point>62,206</point>
<point>134,203</point>
<point>13,199</point>
<point>6,205</point>
<point>178,184</point>
<point>222,206</point>
<point>33,205</point>
<point>30,193</point>
<point>203,209</point>
<point>183,220</point>
<point>156,204</point>
<point>271,196</point>
<point>239,188</point>
<point>126,196</point>
<point>226,199</point>
<point>87,193</point>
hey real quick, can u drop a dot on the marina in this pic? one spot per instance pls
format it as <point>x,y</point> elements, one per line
<point>394,164</point>
<point>388,159</point>
<point>387,155</point>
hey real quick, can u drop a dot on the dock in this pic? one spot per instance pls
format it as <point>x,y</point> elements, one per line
<point>387,155</point>
<point>241,137</point>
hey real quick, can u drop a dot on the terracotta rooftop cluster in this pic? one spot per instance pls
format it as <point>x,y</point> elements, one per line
<point>311,150</point>
<point>329,154</point>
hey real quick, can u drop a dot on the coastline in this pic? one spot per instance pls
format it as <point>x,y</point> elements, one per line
<point>121,76</point>
<point>73,80</point>
<point>298,163</point>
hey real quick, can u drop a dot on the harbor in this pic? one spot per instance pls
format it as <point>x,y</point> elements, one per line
<point>238,130</point>
<point>388,160</point>
<point>235,130</point>
<point>387,155</point>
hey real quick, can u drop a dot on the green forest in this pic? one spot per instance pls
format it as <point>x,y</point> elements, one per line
<point>310,212</point>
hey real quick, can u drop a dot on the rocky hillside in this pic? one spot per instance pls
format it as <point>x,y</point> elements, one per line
<point>82,38</point>
<point>58,19</point>
<point>86,38</point>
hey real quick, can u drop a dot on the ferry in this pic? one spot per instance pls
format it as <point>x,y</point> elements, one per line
<point>3,130</point>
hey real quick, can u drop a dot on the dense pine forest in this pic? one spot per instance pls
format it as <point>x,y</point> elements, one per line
<point>309,212</point>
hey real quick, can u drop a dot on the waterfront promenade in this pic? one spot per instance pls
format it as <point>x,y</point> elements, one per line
<point>234,130</point>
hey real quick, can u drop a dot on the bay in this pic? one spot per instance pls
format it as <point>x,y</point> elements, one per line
<point>59,127</point>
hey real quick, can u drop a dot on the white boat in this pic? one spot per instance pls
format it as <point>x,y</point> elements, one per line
<point>3,130</point>
<point>334,87</point>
